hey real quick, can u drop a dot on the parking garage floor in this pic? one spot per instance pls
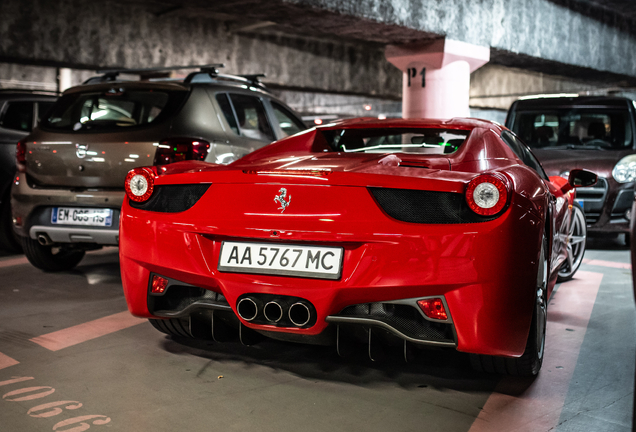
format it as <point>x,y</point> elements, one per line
<point>72,358</point>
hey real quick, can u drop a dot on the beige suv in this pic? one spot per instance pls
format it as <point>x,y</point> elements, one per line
<point>69,187</point>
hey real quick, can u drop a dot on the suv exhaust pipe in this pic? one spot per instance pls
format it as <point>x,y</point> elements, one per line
<point>44,239</point>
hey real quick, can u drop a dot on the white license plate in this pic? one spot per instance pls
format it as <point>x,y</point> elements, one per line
<point>281,259</point>
<point>81,216</point>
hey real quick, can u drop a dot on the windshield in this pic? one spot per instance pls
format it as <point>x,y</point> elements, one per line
<point>394,140</point>
<point>110,110</point>
<point>575,128</point>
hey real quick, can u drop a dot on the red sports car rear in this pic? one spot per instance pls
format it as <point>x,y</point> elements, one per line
<point>430,233</point>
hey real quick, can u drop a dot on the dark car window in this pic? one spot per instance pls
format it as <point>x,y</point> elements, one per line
<point>43,109</point>
<point>396,140</point>
<point>522,151</point>
<point>251,118</point>
<point>18,116</point>
<point>228,113</point>
<point>567,128</point>
<point>286,120</point>
<point>111,110</point>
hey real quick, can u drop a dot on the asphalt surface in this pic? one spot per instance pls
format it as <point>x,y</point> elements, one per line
<point>71,358</point>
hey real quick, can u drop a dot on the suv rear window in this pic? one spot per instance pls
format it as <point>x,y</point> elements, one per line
<point>569,128</point>
<point>395,140</point>
<point>111,110</point>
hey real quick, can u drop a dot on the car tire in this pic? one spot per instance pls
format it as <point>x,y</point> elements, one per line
<point>9,240</point>
<point>50,258</point>
<point>577,237</point>
<point>172,326</point>
<point>531,360</point>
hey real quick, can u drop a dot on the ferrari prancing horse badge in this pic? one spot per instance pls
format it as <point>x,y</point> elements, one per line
<point>281,199</point>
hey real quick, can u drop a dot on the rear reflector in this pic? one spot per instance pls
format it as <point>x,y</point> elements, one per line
<point>20,155</point>
<point>159,284</point>
<point>433,308</point>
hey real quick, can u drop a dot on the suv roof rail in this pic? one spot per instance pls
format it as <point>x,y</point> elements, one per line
<point>112,74</point>
<point>30,91</point>
<point>248,79</point>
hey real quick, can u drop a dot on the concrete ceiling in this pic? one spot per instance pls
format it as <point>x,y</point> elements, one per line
<point>624,7</point>
<point>300,18</point>
<point>590,40</point>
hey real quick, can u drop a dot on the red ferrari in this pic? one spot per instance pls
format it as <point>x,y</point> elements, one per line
<point>399,232</point>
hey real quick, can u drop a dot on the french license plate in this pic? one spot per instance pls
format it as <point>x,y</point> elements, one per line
<point>281,259</point>
<point>81,216</point>
<point>581,202</point>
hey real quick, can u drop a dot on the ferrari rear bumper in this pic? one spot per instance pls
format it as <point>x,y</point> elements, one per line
<point>401,318</point>
<point>386,266</point>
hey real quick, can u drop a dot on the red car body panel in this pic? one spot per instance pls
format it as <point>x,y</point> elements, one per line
<point>485,271</point>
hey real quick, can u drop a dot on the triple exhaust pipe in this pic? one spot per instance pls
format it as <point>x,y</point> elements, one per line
<point>298,313</point>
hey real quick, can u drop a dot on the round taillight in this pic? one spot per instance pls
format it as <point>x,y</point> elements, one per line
<point>487,194</point>
<point>140,184</point>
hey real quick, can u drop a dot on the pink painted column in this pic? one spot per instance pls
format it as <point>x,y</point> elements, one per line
<point>436,76</point>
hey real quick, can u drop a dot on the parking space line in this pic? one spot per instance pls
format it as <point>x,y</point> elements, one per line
<point>603,263</point>
<point>538,407</point>
<point>13,262</point>
<point>84,332</point>
<point>6,361</point>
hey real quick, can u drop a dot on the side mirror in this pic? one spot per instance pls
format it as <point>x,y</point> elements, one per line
<point>582,178</point>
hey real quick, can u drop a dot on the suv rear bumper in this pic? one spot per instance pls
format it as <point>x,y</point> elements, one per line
<point>31,208</point>
<point>76,235</point>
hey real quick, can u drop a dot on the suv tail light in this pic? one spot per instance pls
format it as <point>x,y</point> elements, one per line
<point>180,149</point>
<point>488,194</point>
<point>20,155</point>
<point>140,183</point>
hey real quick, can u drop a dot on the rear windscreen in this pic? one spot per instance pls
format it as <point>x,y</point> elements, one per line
<point>111,110</point>
<point>575,128</point>
<point>395,140</point>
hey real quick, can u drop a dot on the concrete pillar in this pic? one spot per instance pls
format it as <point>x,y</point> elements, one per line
<point>64,79</point>
<point>436,76</point>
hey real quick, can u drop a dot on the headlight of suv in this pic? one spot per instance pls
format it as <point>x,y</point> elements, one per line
<point>625,170</point>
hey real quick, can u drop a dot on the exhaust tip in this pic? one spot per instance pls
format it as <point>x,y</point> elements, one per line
<point>299,314</point>
<point>247,309</point>
<point>44,240</point>
<point>273,312</point>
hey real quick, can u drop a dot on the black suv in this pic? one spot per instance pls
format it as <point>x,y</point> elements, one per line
<point>597,133</point>
<point>70,186</point>
<point>20,111</point>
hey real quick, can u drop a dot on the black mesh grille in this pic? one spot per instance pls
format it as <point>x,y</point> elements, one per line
<point>172,198</point>
<point>404,318</point>
<point>426,207</point>
<point>178,297</point>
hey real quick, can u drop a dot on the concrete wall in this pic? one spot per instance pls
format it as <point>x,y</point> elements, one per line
<point>322,56</point>
<point>495,86</point>
<point>83,34</point>
<point>17,76</point>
